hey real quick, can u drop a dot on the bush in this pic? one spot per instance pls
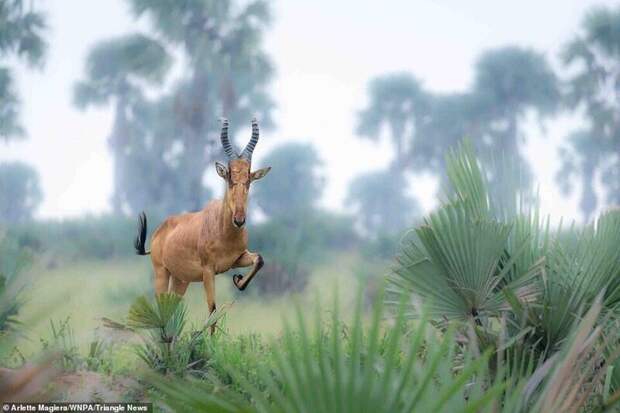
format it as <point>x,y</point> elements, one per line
<point>511,283</point>
<point>98,237</point>
<point>20,192</point>
<point>293,247</point>
<point>69,359</point>
<point>344,368</point>
<point>332,366</point>
<point>13,260</point>
<point>166,347</point>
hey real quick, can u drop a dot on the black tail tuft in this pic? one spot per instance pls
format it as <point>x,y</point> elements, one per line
<point>139,243</point>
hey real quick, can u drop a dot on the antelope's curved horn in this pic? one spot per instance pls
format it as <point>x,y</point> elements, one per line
<point>247,152</point>
<point>225,142</point>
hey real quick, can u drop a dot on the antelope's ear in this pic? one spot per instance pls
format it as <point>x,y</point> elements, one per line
<point>260,173</point>
<point>221,170</point>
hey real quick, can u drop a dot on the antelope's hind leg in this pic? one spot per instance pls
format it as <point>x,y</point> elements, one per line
<point>248,258</point>
<point>162,279</point>
<point>178,286</point>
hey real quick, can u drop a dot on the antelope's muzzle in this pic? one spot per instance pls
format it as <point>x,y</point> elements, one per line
<point>239,221</point>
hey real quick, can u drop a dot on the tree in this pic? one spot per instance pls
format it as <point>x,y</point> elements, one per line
<point>21,36</point>
<point>116,72</point>
<point>452,117</point>
<point>163,146</point>
<point>20,192</point>
<point>509,82</point>
<point>593,57</point>
<point>398,102</point>
<point>294,186</point>
<point>580,157</point>
<point>228,75</point>
<point>381,203</point>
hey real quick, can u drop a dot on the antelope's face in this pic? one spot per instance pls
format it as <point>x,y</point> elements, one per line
<point>238,175</point>
<point>238,178</point>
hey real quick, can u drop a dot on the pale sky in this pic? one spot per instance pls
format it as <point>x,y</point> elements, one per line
<point>324,52</point>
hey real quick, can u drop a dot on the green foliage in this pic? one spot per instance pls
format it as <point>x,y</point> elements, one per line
<point>22,31</point>
<point>175,135</point>
<point>512,79</point>
<point>590,152</point>
<point>344,368</point>
<point>10,126</point>
<point>391,365</point>
<point>396,102</point>
<point>13,260</point>
<point>508,82</point>
<point>292,247</point>
<point>99,237</point>
<point>20,192</point>
<point>63,344</point>
<point>381,203</point>
<point>246,354</point>
<point>296,233</point>
<point>511,282</point>
<point>63,341</point>
<point>288,250</point>
<point>119,69</point>
<point>115,67</point>
<point>293,186</point>
<point>165,347</point>
<point>9,308</point>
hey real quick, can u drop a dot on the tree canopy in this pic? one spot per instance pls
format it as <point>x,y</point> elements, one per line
<point>294,185</point>
<point>381,203</point>
<point>22,30</point>
<point>20,192</point>
<point>163,146</point>
<point>593,57</point>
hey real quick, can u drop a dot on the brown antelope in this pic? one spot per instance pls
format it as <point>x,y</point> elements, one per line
<point>197,246</point>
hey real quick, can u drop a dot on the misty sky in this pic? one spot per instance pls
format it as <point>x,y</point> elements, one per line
<point>324,52</point>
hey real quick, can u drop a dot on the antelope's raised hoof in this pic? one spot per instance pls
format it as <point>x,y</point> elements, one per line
<point>236,279</point>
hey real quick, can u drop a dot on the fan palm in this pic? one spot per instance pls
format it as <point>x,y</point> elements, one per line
<point>507,278</point>
<point>117,70</point>
<point>229,73</point>
<point>398,102</point>
<point>364,370</point>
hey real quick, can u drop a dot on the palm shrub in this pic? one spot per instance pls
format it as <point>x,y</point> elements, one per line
<point>166,347</point>
<point>514,285</point>
<point>13,260</point>
<point>388,364</point>
<point>10,303</point>
<point>339,367</point>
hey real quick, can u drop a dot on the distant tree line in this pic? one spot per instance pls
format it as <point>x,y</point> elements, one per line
<point>509,83</point>
<point>22,31</point>
<point>165,128</point>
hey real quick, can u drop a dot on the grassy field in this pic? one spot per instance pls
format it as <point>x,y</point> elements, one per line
<point>88,290</point>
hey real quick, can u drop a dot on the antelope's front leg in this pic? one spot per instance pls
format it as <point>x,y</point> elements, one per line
<point>208,280</point>
<point>248,258</point>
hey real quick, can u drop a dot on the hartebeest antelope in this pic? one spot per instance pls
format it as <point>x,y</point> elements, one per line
<point>197,246</point>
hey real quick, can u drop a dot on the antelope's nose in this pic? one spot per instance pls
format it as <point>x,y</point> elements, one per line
<point>239,222</point>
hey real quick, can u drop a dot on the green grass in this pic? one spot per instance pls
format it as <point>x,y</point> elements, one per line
<point>88,290</point>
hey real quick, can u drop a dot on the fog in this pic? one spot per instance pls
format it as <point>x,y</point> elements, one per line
<point>324,54</point>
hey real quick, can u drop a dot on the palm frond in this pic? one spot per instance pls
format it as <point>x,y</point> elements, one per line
<point>366,369</point>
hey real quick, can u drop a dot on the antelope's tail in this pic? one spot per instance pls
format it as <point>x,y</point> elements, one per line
<point>140,241</point>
